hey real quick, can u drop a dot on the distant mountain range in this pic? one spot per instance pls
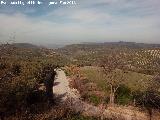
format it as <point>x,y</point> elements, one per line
<point>24,45</point>
<point>88,45</point>
<point>123,44</point>
<point>29,45</point>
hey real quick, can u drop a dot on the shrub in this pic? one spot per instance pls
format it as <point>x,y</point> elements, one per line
<point>94,99</point>
<point>2,66</point>
<point>123,95</point>
<point>16,69</point>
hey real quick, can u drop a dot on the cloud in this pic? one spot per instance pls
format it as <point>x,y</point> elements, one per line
<point>102,20</point>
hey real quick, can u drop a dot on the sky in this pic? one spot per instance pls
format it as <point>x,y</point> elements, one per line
<point>87,21</point>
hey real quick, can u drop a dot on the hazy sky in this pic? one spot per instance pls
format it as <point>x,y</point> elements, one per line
<point>88,21</point>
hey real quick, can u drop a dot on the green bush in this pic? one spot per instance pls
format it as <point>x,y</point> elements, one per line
<point>94,99</point>
<point>123,95</point>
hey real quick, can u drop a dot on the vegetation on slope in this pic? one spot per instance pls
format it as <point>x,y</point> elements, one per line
<point>24,72</point>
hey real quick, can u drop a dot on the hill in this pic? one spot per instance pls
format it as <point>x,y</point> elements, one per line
<point>143,58</point>
<point>24,45</point>
<point>121,44</point>
<point>26,51</point>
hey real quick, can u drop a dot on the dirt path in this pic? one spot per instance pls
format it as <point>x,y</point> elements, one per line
<point>61,88</point>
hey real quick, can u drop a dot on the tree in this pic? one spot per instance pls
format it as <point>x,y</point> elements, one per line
<point>111,66</point>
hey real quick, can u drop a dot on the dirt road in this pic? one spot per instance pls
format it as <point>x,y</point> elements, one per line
<point>62,88</point>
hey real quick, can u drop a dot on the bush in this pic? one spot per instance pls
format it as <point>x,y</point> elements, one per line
<point>94,99</point>
<point>148,99</point>
<point>16,69</point>
<point>123,95</point>
<point>2,66</point>
<point>14,94</point>
<point>19,86</point>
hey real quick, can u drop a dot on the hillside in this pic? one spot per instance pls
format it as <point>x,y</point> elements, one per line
<point>89,53</point>
<point>24,45</point>
<point>26,73</point>
<point>26,51</point>
<point>76,49</point>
